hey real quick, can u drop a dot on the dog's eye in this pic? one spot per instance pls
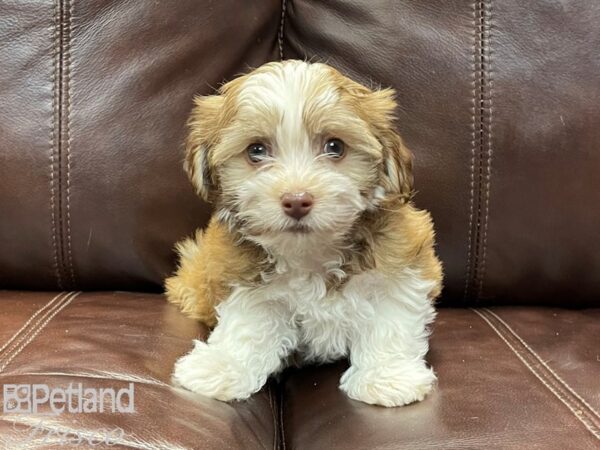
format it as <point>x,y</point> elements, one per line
<point>257,153</point>
<point>334,148</point>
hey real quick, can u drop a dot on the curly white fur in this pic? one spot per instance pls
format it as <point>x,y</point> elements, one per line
<point>380,322</point>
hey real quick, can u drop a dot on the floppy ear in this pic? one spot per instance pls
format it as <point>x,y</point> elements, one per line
<point>397,170</point>
<point>397,177</point>
<point>204,123</point>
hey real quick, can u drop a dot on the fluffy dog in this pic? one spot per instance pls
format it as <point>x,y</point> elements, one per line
<point>315,247</point>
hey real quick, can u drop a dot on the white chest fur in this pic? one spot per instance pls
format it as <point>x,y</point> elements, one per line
<point>379,321</point>
<point>328,322</point>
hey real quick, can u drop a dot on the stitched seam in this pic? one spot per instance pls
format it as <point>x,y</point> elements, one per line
<point>16,347</point>
<point>487,59</point>
<point>37,327</point>
<point>281,29</point>
<point>479,150</point>
<point>53,135</point>
<point>59,143</point>
<point>26,324</point>
<point>480,141</point>
<point>548,376</point>
<point>542,362</point>
<point>473,147</point>
<point>577,408</point>
<point>548,383</point>
<point>67,300</point>
<point>67,93</point>
<point>590,426</point>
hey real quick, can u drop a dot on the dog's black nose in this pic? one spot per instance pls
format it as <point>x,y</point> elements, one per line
<point>297,205</point>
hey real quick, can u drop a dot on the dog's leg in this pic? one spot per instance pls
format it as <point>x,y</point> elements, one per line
<point>387,352</point>
<point>249,343</point>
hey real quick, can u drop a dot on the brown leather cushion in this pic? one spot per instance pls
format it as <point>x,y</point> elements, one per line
<point>498,101</point>
<point>508,378</point>
<point>92,189</point>
<point>537,389</point>
<point>107,340</point>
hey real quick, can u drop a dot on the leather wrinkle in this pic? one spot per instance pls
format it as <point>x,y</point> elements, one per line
<point>270,392</point>
<point>99,376</point>
<point>281,424</point>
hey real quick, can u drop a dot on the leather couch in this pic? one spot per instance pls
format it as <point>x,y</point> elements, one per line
<point>500,103</point>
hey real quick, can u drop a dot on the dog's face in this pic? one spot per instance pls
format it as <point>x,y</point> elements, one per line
<point>296,151</point>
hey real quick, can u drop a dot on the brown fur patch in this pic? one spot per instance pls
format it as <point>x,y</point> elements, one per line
<point>393,240</point>
<point>404,239</point>
<point>209,264</point>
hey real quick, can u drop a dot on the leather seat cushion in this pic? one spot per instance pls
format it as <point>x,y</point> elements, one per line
<point>509,378</point>
<point>107,340</point>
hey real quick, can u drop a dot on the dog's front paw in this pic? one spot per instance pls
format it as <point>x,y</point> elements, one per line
<point>212,372</point>
<point>395,384</point>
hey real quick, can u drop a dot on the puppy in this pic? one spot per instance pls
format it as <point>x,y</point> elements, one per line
<point>315,247</point>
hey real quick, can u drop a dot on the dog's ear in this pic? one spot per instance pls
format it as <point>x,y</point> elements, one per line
<point>396,176</point>
<point>398,162</point>
<point>204,124</point>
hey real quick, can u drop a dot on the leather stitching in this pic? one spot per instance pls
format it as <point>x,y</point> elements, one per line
<point>281,28</point>
<point>53,135</point>
<point>37,328</point>
<point>542,362</point>
<point>26,324</point>
<point>487,65</point>
<point>60,183</point>
<point>69,30</point>
<point>481,138</point>
<point>547,380</point>
<point>481,153</point>
<point>17,346</point>
<point>473,147</point>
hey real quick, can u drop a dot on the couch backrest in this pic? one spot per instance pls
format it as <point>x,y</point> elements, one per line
<point>499,101</point>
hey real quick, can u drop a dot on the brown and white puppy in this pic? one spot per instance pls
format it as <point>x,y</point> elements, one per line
<point>314,247</point>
